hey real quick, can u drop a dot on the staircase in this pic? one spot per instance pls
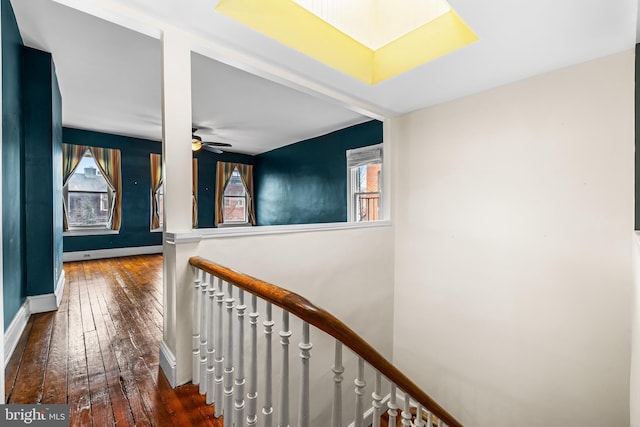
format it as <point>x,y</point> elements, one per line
<point>226,349</point>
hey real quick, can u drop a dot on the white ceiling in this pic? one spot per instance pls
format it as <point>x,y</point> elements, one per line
<point>110,76</point>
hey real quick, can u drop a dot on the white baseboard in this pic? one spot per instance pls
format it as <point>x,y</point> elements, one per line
<point>59,289</point>
<point>14,331</point>
<point>110,253</point>
<point>32,305</point>
<point>368,415</point>
<point>168,364</point>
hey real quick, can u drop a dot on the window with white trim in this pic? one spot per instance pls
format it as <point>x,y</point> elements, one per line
<point>235,201</point>
<point>364,180</point>
<point>89,197</point>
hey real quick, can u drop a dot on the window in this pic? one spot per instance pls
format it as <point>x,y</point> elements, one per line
<point>160,204</point>
<point>235,200</point>
<point>89,196</point>
<point>157,192</point>
<point>364,169</point>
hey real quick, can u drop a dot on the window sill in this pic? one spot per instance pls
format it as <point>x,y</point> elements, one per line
<point>231,225</point>
<point>89,232</point>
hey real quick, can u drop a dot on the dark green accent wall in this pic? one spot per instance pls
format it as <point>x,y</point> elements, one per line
<point>306,182</point>
<point>136,192</point>
<point>42,105</point>
<point>14,285</point>
<point>637,156</point>
<point>207,181</point>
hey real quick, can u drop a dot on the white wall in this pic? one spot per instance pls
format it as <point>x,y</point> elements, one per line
<point>634,398</point>
<point>513,212</point>
<point>347,272</point>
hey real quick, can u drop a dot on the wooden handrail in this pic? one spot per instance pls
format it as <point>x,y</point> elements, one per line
<point>323,320</point>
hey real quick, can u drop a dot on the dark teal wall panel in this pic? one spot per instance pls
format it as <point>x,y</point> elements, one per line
<point>14,289</point>
<point>42,173</point>
<point>56,153</point>
<point>207,181</point>
<point>637,154</point>
<point>136,193</point>
<point>306,183</point>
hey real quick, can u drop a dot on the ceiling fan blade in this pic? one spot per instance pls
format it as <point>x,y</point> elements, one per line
<point>216,144</point>
<point>211,149</point>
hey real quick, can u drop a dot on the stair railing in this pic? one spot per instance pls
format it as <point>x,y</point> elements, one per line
<point>219,357</point>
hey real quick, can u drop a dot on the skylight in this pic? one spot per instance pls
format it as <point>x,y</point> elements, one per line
<point>371,40</point>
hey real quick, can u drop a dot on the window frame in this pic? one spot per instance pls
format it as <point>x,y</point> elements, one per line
<point>245,197</point>
<point>91,229</point>
<point>363,156</point>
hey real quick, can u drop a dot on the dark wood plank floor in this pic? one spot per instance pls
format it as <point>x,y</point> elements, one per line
<point>100,351</point>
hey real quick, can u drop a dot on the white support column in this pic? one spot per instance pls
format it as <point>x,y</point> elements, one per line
<point>197,281</point>
<point>267,409</point>
<point>377,400</point>
<point>228,359</point>
<point>392,405</point>
<point>211,349</point>
<point>239,382</point>
<point>285,334</point>
<point>252,394</point>
<point>305,356</point>
<point>176,350</point>
<point>204,317</point>
<point>419,422</point>
<point>360,385</point>
<point>338,370</point>
<point>219,354</point>
<point>176,129</point>
<point>406,411</point>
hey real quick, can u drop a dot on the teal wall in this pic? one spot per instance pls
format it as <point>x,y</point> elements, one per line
<point>207,181</point>
<point>306,182</point>
<point>14,284</point>
<point>637,156</point>
<point>42,120</point>
<point>136,192</point>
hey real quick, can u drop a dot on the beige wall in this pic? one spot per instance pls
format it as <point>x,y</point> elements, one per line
<point>348,272</point>
<point>513,212</point>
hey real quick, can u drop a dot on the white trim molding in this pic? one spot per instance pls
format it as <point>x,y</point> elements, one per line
<point>32,305</point>
<point>110,253</point>
<point>198,235</point>
<point>14,331</point>
<point>168,364</point>
<point>60,288</point>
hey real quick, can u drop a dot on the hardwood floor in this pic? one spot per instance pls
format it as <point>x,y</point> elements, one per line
<point>100,351</point>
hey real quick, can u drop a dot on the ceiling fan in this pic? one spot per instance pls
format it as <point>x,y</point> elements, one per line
<point>197,143</point>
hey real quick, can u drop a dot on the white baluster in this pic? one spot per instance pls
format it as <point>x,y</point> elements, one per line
<point>285,334</point>
<point>429,419</point>
<point>305,354</point>
<point>219,354</point>
<point>393,406</point>
<point>441,423</point>
<point>228,360</point>
<point>377,400</point>
<point>239,362</point>
<point>338,370</point>
<point>211,290</point>
<point>195,375</point>
<point>203,333</point>
<point>252,395</point>
<point>267,409</point>
<point>406,412</point>
<point>360,384</point>
<point>419,422</point>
